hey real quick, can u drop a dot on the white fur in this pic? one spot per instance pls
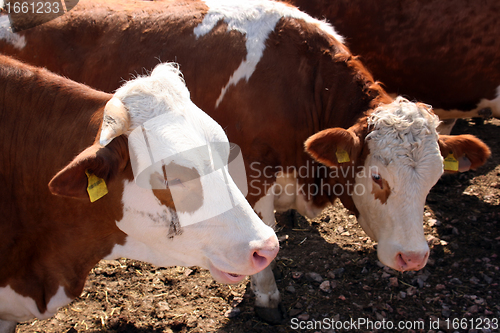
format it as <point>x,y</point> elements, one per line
<point>226,229</point>
<point>494,104</point>
<point>7,326</point>
<point>7,35</point>
<point>265,207</point>
<point>289,194</point>
<point>285,194</point>
<point>17,308</point>
<point>177,131</point>
<point>265,289</point>
<point>225,241</point>
<point>263,284</point>
<point>404,149</point>
<point>446,126</point>
<point>255,19</point>
<point>160,93</point>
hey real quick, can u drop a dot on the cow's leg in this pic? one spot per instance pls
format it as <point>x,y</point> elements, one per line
<point>267,296</point>
<point>7,326</point>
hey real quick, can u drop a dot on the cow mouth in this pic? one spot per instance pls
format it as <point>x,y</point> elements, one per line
<point>225,277</point>
<point>234,277</point>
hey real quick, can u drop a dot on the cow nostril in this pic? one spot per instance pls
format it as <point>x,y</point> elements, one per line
<point>258,260</point>
<point>263,256</point>
<point>411,261</point>
<point>401,263</point>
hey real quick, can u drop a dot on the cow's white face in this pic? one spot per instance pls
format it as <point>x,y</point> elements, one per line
<point>201,218</point>
<point>398,157</point>
<point>183,207</point>
<point>403,164</point>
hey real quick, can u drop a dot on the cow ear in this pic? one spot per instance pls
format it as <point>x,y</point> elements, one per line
<point>103,162</point>
<point>334,146</point>
<point>467,150</point>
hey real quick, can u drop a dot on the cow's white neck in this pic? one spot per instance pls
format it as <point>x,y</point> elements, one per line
<point>146,221</point>
<point>255,19</point>
<point>15,307</point>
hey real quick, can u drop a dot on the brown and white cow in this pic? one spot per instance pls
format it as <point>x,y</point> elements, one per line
<point>273,77</point>
<point>444,53</point>
<point>51,234</point>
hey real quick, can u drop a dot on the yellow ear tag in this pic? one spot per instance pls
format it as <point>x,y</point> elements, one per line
<point>342,156</point>
<point>97,187</point>
<point>450,163</point>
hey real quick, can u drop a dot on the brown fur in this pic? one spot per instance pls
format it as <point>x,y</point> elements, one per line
<point>192,197</point>
<point>323,145</point>
<point>442,52</point>
<point>465,145</point>
<point>46,120</point>
<point>317,84</point>
<point>306,82</point>
<point>381,191</point>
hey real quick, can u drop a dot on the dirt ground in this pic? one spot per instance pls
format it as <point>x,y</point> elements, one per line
<point>327,271</point>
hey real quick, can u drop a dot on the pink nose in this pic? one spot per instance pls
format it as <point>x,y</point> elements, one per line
<point>412,261</point>
<point>263,256</point>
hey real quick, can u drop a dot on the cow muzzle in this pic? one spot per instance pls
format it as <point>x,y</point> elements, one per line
<point>411,260</point>
<point>259,258</point>
<point>403,258</point>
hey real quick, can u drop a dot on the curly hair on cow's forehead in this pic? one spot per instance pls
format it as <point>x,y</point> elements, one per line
<point>402,129</point>
<point>404,116</point>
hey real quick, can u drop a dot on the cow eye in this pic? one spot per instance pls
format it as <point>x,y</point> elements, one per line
<point>377,179</point>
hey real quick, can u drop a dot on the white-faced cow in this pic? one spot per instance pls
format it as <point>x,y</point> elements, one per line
<point>444,53</point>
<point>51,234</point>
<point>273,77</point>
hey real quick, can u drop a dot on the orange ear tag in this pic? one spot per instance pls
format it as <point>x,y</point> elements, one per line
<point>342,156</point>
<point>450,163</point>
<point>97,187</point>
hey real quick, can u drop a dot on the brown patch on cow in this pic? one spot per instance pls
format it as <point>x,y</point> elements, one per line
<point>184,182</point>
<point>381,191</point>
<point>46,240</point>
<point>430,47</point>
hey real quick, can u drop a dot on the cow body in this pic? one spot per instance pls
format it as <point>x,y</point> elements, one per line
<point>273,77</point>
<point>52,234</point>
<point>444,53</point>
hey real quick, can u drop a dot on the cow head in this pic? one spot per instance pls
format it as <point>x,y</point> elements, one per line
<point>178,203</point>
<point>397,156</point>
